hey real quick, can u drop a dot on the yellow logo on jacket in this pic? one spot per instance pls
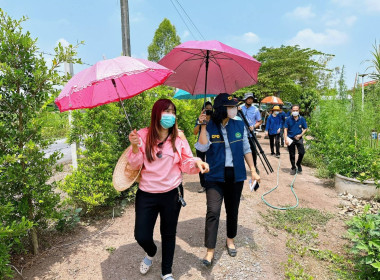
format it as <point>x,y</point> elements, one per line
<point>215,136</point>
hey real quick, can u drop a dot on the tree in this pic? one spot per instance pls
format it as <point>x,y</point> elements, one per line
<point>27,86</point>
<point>288,71</point>
<point>165,39</point>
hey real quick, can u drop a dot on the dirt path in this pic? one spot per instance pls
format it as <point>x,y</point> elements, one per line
<point>260,254</point>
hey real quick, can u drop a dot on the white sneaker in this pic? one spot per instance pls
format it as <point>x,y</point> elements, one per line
<point>167,277</point>
<point>145,264</point>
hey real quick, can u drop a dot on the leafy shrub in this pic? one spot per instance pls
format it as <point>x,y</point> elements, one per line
<point>10,234</point>
<point>55,125</point>
<point>28,85</point>
<point>341,131</point>
<point>364,232</point>
<point>68,219</point>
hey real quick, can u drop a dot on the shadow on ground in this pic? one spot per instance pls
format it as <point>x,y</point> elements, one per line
<point>186,263</point>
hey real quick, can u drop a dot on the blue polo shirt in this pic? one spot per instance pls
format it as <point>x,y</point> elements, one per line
<point>252,114</point>
<point>295,126</point>
<point>283,116</point>
<point>273,124</point>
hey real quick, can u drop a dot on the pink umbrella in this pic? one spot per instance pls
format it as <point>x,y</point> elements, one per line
<point>109,81</point>
<point>210,67</point>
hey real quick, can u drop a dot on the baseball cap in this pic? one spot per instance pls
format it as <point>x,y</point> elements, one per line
<point>224,99</point>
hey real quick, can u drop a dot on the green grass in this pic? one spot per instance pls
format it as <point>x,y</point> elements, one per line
<point>301,222</point>
<point>295,271</point>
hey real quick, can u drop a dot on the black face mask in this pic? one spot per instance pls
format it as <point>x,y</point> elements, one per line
<point>208,112</point>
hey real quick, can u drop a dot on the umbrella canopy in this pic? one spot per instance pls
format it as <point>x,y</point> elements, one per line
<point>210,67</point>
<point>110,80</point>
<point>272,100</point>
<point>181,94</point>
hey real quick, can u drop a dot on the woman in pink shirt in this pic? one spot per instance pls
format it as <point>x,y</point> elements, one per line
<point>164,153</point>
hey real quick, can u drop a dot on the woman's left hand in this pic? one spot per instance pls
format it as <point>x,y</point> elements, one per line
<point>255,176</point>
<point>203,166</point>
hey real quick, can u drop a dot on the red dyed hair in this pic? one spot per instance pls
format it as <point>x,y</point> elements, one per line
<point>152,138</point>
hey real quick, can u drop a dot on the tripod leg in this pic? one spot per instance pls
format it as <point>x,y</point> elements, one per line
<point>252,144</point>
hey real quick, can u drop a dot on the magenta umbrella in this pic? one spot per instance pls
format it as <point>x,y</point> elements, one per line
<point>210,67</point>
<point>109,81</point>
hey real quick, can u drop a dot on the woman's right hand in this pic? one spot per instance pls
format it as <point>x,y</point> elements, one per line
<point>202,116</point>
<point>134,138</point>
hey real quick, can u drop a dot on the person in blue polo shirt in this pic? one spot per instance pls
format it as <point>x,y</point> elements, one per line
<point>295,127</point>
<point>226,145</point>
<point>283,117</point>
<point>273,128</point>
<point>253,116</point>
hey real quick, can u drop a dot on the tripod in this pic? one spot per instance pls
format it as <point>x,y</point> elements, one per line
<point>255,144</point>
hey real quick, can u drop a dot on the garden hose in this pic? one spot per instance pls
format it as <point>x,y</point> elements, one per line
<point>291,187</point>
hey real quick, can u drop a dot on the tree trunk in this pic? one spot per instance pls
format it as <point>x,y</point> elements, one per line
<point>33,233</point>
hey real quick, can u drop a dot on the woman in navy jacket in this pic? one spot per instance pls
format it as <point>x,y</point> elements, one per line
<point>226,145</point>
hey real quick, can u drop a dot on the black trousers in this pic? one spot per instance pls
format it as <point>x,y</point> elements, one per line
<point>272,142</point>
<point>215,192</point>
<point>147,207</point>
<point>202,156</point>
<point>253,150</point>
<point>282,136</point>
<point>292,152</point>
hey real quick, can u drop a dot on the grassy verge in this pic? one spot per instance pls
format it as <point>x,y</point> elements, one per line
<point>302,226</point>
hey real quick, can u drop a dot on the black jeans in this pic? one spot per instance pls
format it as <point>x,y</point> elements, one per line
<point>253,150</point>
<point>215,192</point>
<point>202,156</point>
<point>272,139</point>
<point>292,152</point>
<point>147,207</point>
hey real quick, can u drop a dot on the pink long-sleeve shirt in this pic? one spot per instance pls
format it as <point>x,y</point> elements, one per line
<point>163,174</point>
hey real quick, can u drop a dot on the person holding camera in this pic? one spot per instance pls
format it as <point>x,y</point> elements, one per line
<point>207,111</point>
<point>164,153</point>
<point>226,145</point>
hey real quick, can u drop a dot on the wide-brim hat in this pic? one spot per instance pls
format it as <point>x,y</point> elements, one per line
<point>276,108</point>
<point>123,175</point>
<point>224,99</point>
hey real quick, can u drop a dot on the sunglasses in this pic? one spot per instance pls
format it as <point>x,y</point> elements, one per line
<point>159,153</point>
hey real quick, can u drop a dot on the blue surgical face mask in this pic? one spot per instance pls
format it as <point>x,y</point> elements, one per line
<point>167,120</point>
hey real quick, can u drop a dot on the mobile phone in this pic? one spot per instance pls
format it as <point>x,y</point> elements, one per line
<point>253,185</point>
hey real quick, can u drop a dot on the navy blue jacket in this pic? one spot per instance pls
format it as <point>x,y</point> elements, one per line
<point>216,154</point>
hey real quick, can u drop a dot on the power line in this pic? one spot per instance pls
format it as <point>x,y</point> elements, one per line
<point>190,20</point>
<point>183,20</point>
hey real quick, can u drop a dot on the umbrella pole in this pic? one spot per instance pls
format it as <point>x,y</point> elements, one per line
<point>207,60</point>
<point>122,105</point>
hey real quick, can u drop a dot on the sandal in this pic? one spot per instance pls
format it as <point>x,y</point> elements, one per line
<point>145,264</point>
<point>167,277</point>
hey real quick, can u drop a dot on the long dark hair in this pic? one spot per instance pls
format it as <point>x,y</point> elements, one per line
<point>219,114</point>
<point>153,136</point>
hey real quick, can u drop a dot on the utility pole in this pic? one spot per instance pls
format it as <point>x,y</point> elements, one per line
<point>69,69</point>
<point>125,35</point>
<point>363,75</point>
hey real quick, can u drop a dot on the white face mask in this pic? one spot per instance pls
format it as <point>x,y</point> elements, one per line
<point>231,112</point>
<point>275,113</point>
<point>295,114</point>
